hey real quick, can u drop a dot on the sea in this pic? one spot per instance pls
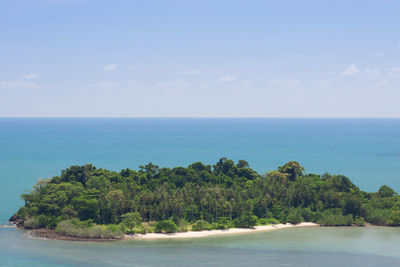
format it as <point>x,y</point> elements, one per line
<point>365,150</point>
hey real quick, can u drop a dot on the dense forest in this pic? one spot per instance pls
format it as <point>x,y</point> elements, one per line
<point>89,202</point>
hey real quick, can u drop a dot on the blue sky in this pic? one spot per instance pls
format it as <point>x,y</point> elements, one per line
<point>199,58</point>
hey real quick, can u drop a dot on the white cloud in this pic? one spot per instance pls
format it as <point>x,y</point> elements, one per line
<point>110,67</point>
<point>107,84</point>
<point>29,76</point>
<point>189,72</point>
<point>393,72</point>
<point>17,84</point>
<point>374,73</point>
<point>174,84</point>
<point>227,78</point>
<point>350,70</point>
<point>290,82</point>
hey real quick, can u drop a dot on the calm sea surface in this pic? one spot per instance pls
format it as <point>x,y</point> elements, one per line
<point>365,150</point>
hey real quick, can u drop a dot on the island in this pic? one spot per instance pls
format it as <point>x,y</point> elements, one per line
<point>87,203</point>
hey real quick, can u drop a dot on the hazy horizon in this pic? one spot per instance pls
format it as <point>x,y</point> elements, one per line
<point>109,117</point>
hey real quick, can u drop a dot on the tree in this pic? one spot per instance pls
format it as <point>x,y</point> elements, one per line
<point>230,194</point>
<point>218,166</point>
<point>115,201</point>
<point>78,173</point>
<point>342,183</point>
<point>245,221</point>
<point>295,217</point>
<point>68,212</point>
<point>223,223</point>
<point>293,169</point>
<point>394,218</point>
<point>201,225</point>
<point>242,164</point>
<point>167,226</point>
<point>151,169</point>
<point>228,168</point>
<point>352,206</point>
<point>131,220</point>
<point>191,212</point>
<point>198,166</point>
<point>386,191</point>
<point>100,183</point>
<point>86,207</point>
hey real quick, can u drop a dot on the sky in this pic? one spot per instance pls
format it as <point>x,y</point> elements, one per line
<point>199,58</point>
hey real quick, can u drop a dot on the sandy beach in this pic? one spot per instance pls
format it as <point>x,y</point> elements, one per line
<point>7,226</point>
<point>193,234</point>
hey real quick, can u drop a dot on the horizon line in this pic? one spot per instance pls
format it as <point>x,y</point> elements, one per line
<point>173,117</point>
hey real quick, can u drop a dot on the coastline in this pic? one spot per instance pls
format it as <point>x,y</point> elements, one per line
<point>230,231</point>
<point>53,235</point>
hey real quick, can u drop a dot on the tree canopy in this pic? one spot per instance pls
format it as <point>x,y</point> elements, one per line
<point>205,196</point>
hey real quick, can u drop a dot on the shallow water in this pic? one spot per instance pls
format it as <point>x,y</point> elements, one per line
<point>312,246</point>
<point>365,150</point>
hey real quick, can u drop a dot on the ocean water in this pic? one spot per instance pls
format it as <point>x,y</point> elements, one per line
<point>365,150</point>
<point>370,246</point>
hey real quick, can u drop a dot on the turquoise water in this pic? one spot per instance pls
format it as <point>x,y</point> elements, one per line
<point>371,246</point>
<point>366,150</point>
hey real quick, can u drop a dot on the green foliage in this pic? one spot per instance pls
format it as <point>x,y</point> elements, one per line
<point>242,164</point>
<point>359,221</point>
<point>307,214</point>
<point>86,207</point>
<point>86,229</point>
<point>146,228</point>
<point>262,221</point>
<point>295,217</point>
<point>386,191</point>
<point>31,223</point>
<point>394,218</point>
<point>245,221</point>
<point>191,212</point>
<point>293,169</point>
<point>352,206</point>
<point>166,226</point>
<point>377,216</point>
<point>220,196</point>
<point>201,225</point>
<point>182,225</point>
<point>79,174</point>
<point>131,220</point>
<point>68,212</point>
<point>41,221</point>
<point>140,230</point>
<point>336,220</point>
<point>272,221</point>
<point>223,223</point>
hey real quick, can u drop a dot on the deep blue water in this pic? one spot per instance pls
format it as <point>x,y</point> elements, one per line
<point>365,150</point>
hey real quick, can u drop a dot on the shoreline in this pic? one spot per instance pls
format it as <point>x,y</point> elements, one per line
<point>53,235</point>
<point>230,231</point>
<point>49,234</point>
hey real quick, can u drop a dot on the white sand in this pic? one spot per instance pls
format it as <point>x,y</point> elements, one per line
<point>192,234</point>
<point>7,226</point>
